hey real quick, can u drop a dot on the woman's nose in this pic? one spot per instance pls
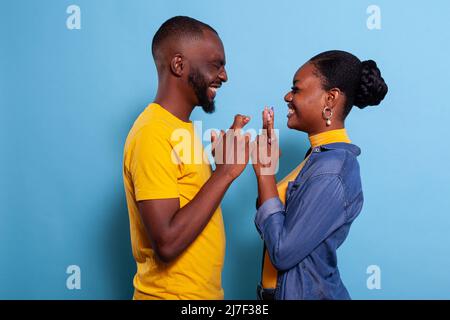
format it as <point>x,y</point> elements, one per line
<point>288,97</point>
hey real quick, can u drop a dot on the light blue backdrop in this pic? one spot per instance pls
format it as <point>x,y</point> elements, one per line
<point>69,97</point>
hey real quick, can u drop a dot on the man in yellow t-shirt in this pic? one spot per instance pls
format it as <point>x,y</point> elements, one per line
<point>173,197</point>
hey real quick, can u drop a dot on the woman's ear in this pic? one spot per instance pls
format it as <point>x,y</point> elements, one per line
<point>177,65</point>
<point>333,97</point>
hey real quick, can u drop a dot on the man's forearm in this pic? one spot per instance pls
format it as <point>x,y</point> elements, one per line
<point>189,221</point>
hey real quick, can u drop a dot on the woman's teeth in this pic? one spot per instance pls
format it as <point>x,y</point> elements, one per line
<point>290,112</point>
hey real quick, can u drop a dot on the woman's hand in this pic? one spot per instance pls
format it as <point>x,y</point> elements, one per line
<point>264,154</point>
<point>265,149</point>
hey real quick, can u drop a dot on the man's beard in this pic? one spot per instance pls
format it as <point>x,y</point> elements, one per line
<point>198,83</point>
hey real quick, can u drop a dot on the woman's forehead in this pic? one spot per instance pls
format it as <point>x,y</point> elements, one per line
<point>304,73</point>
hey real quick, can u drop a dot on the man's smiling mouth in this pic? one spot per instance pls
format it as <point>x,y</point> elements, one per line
<point>213,89</point>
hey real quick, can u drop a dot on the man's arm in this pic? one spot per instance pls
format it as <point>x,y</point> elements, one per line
<point>171,229</point>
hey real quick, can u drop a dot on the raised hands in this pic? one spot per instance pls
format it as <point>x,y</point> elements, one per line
<point>232,149</point>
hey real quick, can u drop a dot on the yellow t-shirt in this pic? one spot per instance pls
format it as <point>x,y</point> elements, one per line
<point>163,158</point>
<point>269,273</point>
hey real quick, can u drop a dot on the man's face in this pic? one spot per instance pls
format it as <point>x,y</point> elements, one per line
<point>207,70</point>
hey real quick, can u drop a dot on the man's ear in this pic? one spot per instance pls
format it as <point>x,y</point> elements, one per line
<point>333,97</point>
<point>177,65</point>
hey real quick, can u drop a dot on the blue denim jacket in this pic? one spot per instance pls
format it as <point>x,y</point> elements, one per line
<point>302,237</point>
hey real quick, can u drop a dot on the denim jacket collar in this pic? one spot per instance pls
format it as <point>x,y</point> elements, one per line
<point>338,145</point>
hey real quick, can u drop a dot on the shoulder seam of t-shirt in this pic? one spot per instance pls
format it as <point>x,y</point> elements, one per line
<point>156,121</point>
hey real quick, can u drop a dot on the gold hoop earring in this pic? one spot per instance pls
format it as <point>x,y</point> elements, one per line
<point>327,113</point>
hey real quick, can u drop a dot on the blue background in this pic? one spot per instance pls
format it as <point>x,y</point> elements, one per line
<point>69,97</point>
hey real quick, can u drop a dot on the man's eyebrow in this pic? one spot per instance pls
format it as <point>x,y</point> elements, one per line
<point>219,58</point>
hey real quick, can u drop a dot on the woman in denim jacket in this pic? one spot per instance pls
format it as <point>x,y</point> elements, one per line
<point>307,216</point>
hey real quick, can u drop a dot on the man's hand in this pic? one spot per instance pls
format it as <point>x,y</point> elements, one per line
<point>231,149</point>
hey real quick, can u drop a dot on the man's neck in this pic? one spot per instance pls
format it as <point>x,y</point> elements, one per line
<point>175,104</point>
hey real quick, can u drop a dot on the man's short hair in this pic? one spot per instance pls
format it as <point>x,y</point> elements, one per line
<point>177,29</point>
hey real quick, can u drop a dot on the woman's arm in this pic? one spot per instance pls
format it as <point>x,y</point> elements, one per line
<point>265,153</point>
<point>313,214</point>
<point>267,188</point>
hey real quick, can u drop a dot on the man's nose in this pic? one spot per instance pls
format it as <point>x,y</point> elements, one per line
<point>223,75</point>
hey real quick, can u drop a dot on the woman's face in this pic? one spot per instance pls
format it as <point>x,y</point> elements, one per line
<point>306,101</point>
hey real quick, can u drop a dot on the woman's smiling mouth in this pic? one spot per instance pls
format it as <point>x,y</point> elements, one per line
<point>291,110</point>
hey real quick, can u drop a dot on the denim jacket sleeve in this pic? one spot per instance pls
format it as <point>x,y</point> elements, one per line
<point>313,213</point>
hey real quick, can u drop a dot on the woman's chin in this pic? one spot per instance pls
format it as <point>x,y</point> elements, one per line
<point>295,125</point>
<point>290,123</point>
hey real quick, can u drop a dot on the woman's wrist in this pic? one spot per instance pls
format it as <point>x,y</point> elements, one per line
<point>265,178</point>
<point>267,187</point>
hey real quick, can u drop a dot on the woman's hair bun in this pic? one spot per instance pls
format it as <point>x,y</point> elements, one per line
<point>371,89</point>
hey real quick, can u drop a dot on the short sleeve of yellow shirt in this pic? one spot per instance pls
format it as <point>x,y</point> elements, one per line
<point>152,169</point>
